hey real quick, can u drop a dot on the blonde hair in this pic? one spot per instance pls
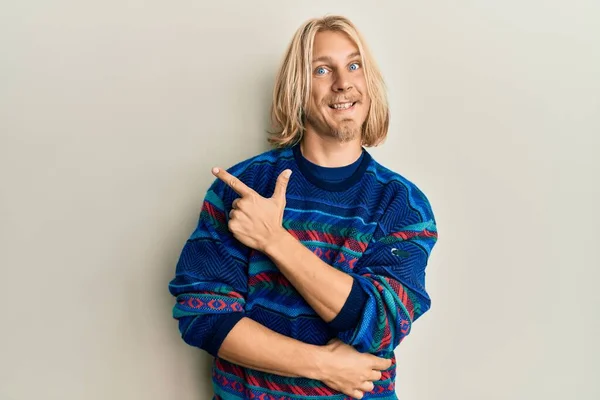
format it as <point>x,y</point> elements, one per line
<point>293,84</point>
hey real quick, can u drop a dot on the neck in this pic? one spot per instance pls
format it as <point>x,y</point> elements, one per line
<point>329,151</point>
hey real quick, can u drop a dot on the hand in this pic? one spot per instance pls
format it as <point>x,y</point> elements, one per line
<point>349,371</point>
<point>255,220</point>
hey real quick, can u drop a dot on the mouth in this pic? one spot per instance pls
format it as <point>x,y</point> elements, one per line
<point>339,107</point>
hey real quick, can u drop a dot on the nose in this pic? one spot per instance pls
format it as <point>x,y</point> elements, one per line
<point>342,81</point>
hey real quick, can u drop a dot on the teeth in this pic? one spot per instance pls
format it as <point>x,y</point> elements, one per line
<point>341,106</point>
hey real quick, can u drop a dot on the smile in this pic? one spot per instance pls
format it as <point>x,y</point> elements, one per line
<point>342,106</point>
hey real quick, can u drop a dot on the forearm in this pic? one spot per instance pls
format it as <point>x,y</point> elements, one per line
<point>324,288</point>
<point>255,346</point>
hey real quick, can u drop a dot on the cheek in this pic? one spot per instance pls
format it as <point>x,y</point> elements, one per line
<point>367,104</point>
<point>314,100</point>
<point>319,93</point>
<point>365,96</point>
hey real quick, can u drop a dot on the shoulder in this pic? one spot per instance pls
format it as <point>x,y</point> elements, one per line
<point>406,202</point>
<point>259,162</point>
<point>255,171</point>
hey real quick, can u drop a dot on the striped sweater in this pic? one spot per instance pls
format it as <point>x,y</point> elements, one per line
<point>375,225</point>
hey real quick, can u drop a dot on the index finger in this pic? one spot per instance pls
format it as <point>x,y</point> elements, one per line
<point>237,185</point>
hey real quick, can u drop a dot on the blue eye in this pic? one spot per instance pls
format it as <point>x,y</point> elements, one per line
<point>321,71</point>
<point>354,65</point>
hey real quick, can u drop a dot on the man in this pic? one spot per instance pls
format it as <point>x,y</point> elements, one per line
<point>302,286</point>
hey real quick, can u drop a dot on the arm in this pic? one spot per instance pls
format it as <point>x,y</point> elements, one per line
<point>325,288</point>
<point>210,286</point>
<point>391,279</point>
<point>337,364</point>
<point>373,307</point>
<point>210,283</point>
<point>255,346</point>
<point>392,274</point>
<point>257,222</point>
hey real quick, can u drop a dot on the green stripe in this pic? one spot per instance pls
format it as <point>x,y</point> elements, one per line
<point>330,229</point>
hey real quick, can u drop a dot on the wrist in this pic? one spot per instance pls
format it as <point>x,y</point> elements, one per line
<point>316,358</point>
<point>275,241</point>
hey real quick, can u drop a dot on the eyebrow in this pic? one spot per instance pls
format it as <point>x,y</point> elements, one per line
<point>329,60</point>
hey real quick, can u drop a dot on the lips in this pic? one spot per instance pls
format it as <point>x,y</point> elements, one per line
<point>342,105</point>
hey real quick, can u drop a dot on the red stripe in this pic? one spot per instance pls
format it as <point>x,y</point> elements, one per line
<point>323,237</point>
<point>229,294</point>
<point>403,295</point>
<point>214,212</point>
<point>270,276</point>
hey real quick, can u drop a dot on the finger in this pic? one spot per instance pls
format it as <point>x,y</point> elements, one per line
<point>382,363</point>
<point>357,394</point>
<point>238,186</point>
<point>281,185</point>
<point>375,376</point>
<point>367,386</point>
<point>231,213</point>
<point>234,203</point>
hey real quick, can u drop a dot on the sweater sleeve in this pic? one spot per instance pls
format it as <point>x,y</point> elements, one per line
<point>388,292</point>
<point>211,278</point>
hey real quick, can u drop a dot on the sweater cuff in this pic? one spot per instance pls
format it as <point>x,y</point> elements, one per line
<point>352,310</point>
<point>221,329</point>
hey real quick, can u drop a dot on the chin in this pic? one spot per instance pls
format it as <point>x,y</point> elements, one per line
<point>345,133</point>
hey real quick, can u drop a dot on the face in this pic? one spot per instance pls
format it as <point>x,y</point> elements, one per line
<point>339,102</point>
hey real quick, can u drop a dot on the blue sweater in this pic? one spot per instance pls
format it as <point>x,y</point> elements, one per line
<point>362,219</point>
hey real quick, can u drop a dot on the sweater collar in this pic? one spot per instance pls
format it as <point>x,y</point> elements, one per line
<point>316,179</point>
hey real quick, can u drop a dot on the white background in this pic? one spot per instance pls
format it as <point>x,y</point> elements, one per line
<point>113,112</point>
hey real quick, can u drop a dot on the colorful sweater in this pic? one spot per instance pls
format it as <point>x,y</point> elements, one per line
<point>375,225</point>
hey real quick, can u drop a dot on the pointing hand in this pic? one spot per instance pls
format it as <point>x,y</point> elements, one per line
<point>255,220</point>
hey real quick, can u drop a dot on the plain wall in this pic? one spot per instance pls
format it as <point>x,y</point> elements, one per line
<point>113,112</point>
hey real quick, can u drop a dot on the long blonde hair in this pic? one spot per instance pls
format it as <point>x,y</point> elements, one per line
<point>293,84</point>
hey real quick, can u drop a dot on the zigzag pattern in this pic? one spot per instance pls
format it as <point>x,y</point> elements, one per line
<point>233,381</point>
<point>381,230</point>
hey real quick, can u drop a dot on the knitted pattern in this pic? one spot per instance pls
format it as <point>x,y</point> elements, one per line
<point>376,226</point>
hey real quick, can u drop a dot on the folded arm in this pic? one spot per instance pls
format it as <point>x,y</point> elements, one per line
<point>210,286</point>
<point>373,307</point>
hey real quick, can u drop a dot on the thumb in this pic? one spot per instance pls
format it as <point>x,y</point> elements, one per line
<point>281,185</point>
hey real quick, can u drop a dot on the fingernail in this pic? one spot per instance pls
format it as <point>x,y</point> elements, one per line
<point>215,170</point>
<point>287,173</point>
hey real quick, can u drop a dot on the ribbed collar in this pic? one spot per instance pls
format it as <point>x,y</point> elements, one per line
<point>320,182</point>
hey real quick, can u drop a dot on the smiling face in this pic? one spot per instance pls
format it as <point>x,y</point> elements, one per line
<point>339,102</point>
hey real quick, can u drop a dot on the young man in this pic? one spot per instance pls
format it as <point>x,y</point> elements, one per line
<point>302,286</point>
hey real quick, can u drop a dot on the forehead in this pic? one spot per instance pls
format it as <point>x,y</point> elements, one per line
<point>333,44</point>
